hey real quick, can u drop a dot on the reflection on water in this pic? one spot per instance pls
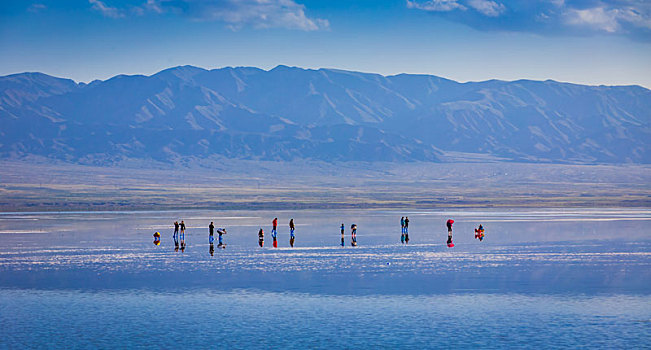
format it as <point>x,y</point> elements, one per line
<point>579,256</point>
<point>251,319</point>
<point>537,279</point>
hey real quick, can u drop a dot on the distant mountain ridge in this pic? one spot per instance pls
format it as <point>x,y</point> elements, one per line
<point>291,113</point>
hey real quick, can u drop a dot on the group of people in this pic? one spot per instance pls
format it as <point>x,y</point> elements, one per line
<point>404,238</point>
<point>274,233</point>
<point>176,236</point>
<point>179,234</point>
<point>353,234</point>
<point>404,225</point>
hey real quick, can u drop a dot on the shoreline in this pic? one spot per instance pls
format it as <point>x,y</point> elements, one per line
<point>284,208</point>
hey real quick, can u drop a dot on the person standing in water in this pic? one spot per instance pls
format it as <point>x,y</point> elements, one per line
<point>406,229</point>
<point>342,233</point>
<point>274,224</point>
<point>182,236</point>
<point>176,229</point>
<point>402,229</point>
<point>449,225</point>
<point>211,230</point>
<point>261,238</point>
<point>291,232</point>
<point>220,232</point>
<point>479,233</point>
<point>353,235</point>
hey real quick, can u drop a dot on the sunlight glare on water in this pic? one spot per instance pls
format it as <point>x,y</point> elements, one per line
<point>543,278</point>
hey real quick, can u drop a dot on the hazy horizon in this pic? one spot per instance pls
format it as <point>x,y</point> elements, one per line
<point>315,69</point>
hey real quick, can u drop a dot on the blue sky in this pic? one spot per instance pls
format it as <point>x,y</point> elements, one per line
<point>582,41</point>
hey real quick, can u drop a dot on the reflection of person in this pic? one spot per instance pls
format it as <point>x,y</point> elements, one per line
<point>157,238</point>
<point>342,234</point>
<point>479,233</point>
<point>291,232</point>
<point>406,230</point>
<point>449,225</point>
<point>212,249</point>
<point>261,237</point>
<point>274,232</point>
<point>274,224</point>
<point>176,243</point>
<point>353,235</point>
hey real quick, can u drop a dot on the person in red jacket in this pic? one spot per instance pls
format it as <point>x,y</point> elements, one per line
<point>449,224</point>
<point>274,224</point>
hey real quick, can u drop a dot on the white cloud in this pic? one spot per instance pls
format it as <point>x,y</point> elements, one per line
<point>35,8</point>
<point>636,17</point>
<point>239,13</point>
<point>609,20</point>
<point>487,7</point>
<point>436,5</point>
<point>597,18</point>
<point>154,6</point>
<point>263,14</point>
<point>624,17</point>
<point>106,10</point>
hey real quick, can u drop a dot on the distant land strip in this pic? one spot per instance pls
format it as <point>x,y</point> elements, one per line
<point>66,187</point>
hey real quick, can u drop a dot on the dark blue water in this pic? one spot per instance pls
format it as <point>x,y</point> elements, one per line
<point>546,278</point>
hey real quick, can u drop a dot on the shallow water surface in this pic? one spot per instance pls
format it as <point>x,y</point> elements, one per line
<point>540,278</point>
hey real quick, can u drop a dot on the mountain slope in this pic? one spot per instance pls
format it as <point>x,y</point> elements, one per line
<point>291,113</point>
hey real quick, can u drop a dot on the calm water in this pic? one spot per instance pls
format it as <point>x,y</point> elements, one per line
<point>540,278</point>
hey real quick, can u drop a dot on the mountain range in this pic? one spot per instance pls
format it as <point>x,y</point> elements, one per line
<point>289,113</point>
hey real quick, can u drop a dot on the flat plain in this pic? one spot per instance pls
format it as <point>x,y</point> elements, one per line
<point>232,184</point>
